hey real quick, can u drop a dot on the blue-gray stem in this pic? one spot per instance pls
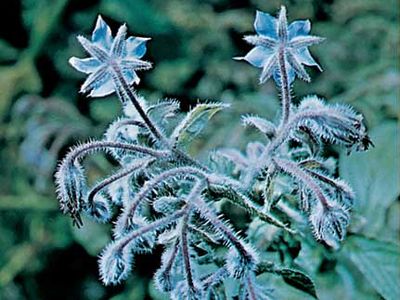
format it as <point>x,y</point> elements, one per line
<point>154,182</point>
<point>109,180</point>
<point>83,149</point>
<point>156,225</point>
<point>299,174</point>
<point>186,252</point>
<point>127,91</point>
<point>284,85</point>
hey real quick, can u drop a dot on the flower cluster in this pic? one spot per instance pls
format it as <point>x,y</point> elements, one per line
<point>160,195</point>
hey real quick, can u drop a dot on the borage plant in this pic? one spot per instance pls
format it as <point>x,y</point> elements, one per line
<point>162,196</point>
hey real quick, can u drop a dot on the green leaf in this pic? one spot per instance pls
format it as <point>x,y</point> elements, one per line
<point>295,278</point>
<point>194,122</point>
<point>265,126</point>
<point>378,261</point>
<point>298,280</point>
<point>374,175</point>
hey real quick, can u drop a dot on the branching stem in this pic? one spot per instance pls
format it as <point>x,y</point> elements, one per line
<point>160,223</point>
<point>125,91</point>
<point>153,183</point>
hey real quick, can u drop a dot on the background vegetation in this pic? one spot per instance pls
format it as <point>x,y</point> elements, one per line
<point>43,257</point>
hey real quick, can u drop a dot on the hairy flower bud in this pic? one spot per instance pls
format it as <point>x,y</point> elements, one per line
<point>71,188</point>
<point>115,264</point>
<point>329,223</point>
<point>99,209</point>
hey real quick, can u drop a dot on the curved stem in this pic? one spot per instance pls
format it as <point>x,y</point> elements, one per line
<point>296,172</point>
<point>79,151</point>
<point>215,278</point>
<point>153,183</point>
<point>158,224</point>
<point>124,172</point>
<point>220,226</point>
<point>282,135</point>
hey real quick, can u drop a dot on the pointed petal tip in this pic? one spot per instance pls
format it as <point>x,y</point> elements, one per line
<point>238,58</point>
<point>82,90</point>
<point>72,60</point>
<point>81,38</point>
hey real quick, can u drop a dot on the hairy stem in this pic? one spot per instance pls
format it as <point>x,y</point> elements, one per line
<point>215,278</point>
<point>185,252</point>
<point>159,224</point>
<point>170,262</point>
<point>281,136</point>
<point>299,174</point>
<point>285,88</point>
<point>130,94</point>
<point>127,91</point>
<point>153,183</point>
<point>195,192</point>
<point>250,288</point>
<point>83,149</point>
<point>220,226</point>
<point>124,172</point>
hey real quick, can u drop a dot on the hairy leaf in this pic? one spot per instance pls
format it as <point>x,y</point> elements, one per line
<point>194,122</point>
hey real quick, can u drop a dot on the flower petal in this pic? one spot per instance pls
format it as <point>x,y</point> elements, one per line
<point>257,56</point>
<point>282,25</point>
<point>93,49</point>
<point>95,81</point>
<point>131,76</point>
<point>304,56</point>
<point>136,46</point>
<point>85,65</point>
<point>105,89</point>
<point>294,61</point>
<point>265,24</point>
<point>268,68</point>
<point>305,41</point>
<point>135,64</point>
<point>102,34</point>
<point>301,27</point>
<point>118,48</point>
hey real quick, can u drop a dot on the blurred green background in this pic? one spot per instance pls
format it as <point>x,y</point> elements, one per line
<point>41,113</point>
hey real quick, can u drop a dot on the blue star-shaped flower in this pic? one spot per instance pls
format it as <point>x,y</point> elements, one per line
<point>274,35</point>
<point>110,59</point>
